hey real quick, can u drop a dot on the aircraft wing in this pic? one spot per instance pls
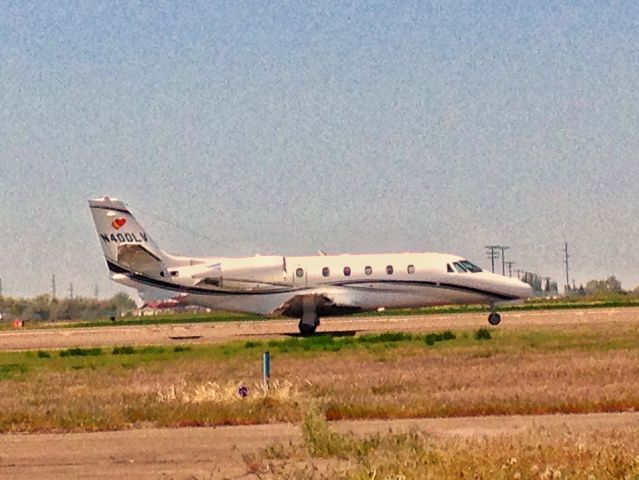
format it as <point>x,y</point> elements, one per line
<point>330,302</point>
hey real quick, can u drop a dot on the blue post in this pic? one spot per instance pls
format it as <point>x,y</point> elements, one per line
<point>266,369</point>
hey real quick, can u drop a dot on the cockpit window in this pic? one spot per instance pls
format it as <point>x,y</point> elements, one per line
<point>459,267</point>
<point>449,269</point>
<point>471,267</point>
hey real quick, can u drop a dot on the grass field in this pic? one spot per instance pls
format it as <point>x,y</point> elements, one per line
<point>539,454</point>
<point>392,375</point>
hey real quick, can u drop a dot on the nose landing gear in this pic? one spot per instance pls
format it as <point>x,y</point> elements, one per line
<point>494,318</point>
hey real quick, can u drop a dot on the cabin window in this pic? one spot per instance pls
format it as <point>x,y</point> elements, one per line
<point>299,273</point>
<point>326,272</point>
<point>411,269</point>
<point>368,270</point>
<point>459,267</point>
<point>389,269</point>
<point>174,273</point>
<point>449,269</point>
<point>347,271</point>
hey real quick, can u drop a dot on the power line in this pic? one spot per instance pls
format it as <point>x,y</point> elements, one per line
<point>173,223</point>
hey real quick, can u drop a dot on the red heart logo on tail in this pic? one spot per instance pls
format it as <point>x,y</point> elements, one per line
<point>118,223</point>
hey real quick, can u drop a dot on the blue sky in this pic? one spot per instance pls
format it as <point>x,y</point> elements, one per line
<point>285,127</point>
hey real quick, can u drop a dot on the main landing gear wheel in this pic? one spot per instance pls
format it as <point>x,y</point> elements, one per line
<point>494,318</point>
<point>306,329</point>
<point>310,319</point>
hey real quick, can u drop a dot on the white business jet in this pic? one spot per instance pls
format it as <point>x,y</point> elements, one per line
<point>300,287</point>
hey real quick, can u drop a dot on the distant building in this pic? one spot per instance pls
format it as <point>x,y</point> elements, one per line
<point>542,286</point>
<point>166,307</point>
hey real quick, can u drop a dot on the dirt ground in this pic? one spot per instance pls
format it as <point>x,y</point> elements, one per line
<point>221,332</point>
<point>217,453</point>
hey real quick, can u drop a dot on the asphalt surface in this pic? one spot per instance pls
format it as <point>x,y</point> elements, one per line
<point>212,453</point>
<point>33,339</point>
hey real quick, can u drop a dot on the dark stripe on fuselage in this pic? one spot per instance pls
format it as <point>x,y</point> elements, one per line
<point>121,210</point>
<point>449,286</point>
<point>115,268</point>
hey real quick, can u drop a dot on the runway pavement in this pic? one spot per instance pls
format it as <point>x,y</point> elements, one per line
<point>52,338</point>
<point>212,453</point>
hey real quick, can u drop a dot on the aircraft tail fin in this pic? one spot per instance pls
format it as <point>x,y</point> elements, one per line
<point>125,243</point>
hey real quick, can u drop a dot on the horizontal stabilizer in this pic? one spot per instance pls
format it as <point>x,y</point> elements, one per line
<point>137,258</point>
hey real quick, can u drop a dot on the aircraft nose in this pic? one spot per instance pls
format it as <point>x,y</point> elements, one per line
<point>521,289</point>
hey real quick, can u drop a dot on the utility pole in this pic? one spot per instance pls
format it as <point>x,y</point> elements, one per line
<point>71,291</point>
<point>503,259</point>
<point>510,268</point>
<point>566,257</point>
<point>491,251</point>
<point>0,287</point>
<point>96,292</point>
<point>52,306</point>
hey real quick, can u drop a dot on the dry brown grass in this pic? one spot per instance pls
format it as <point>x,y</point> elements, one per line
<point>535,455</point>
<point>590,369</point>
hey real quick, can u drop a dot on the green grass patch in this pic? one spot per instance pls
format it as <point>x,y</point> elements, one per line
<point>123,350</point>
<point>483,334</point>
<point>153,349</point>
<point>43,354</point>
<point>11,370</point>
<point>81,352</point>
<point>433,338</point>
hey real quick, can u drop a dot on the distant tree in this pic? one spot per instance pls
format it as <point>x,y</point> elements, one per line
<point>43,308</point>
<point>121,302</point>
<point>599,287</point>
